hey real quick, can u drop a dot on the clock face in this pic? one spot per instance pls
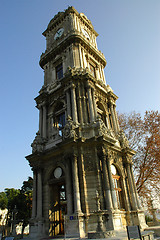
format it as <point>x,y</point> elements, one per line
<point>85,33</point>
<point>58,172</point>
<point>58,33</point>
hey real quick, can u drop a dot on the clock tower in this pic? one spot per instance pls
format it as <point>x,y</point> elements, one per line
<point>82,164</point>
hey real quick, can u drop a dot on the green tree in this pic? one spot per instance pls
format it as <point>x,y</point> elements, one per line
<point>18,202</point>
<point>24,203</point>
<point>3,200</point>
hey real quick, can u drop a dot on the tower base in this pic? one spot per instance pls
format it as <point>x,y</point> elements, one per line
<point>74,226</point>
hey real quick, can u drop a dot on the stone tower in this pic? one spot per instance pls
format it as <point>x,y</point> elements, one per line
<point>81,160</point>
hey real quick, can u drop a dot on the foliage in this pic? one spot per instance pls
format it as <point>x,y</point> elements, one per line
<point>24,202</point>
<point>18,202</point>
<point>3,200</point>
<point>144,137</point>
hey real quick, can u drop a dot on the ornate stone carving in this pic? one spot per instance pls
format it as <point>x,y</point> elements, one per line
<point>102,129</point>
<point>69,129</point>
<point>123,140</point>
<point>54,132</point>
<point>89,164</point>
<point>38,143</point>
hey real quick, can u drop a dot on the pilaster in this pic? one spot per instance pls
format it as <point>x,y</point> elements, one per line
<point>80,104</point>
<point>40,120</point>
<point>91,110</point>
<point>39,194</point>
<point>68,102</point>
<point>74,104</point>
<point>34,200</point>
<point>76,190</point>
<point>69,187</point>
<point>131,188</point>
<point>44,121</point>
<point>113,117</point>
<point>108,199</point>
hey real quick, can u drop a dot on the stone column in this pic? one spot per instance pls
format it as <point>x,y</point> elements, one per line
<point>103,76</point>
<point>108,199</point>
<point>90,104</point>
<point>39,194</point>
<point>85,116</point>
<point>113,192</point>
<point>97,73</point>
<point>116,118</point>
<point>135,189</point>
<point>108,121</point>
<point>131,188</point>
<point>94,104</point>
<point>68,103</point>
<point>113,117</point>
<point>69,188</point>
<point>84,59</point>
<point>80,104</point>
<point>71,17</point>
<point>73,55</point>
<point>80,56</point>
<point>51,120</point>
<point>64,64</point>
<point>74,104</point>
<point>53,74</point>
<point>125,197</point>
<point>40,120</point>
<point>77,201</point>
<point>44,122</point>
<point>99,178</point>
<point>34,200</point>
<point>81,163</point>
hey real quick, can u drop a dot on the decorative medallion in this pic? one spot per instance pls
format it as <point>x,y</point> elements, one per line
<point>58,172</point>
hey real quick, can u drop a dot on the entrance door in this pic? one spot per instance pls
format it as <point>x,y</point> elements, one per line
<point>59,209</point>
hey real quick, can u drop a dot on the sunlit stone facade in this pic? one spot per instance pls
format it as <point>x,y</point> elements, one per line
<point>81,160</point>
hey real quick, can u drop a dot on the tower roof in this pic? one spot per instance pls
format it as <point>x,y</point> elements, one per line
<point>61,15</point>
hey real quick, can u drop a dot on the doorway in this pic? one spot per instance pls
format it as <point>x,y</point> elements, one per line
<point>58,209</point>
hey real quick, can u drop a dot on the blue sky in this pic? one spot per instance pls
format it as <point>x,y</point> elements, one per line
<point>129,37</point>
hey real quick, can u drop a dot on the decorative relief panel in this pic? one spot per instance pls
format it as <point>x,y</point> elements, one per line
<point>38,143</point>
<point>69,129</point>
<point>88,162</point>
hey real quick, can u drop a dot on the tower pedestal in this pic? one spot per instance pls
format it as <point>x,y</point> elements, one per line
<point>74,226</point>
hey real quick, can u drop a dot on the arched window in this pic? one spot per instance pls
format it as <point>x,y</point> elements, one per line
<point>59,117</point>
<point>101,112</point>
<point>117,186</point>
<point>59,71</point>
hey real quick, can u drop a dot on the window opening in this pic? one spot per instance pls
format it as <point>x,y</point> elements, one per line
<point>117,186</point>
<point>92,70</point>
<point>59,118</point>
<point>61,122</point>
<point>59,71</point>
<point>101,112</point>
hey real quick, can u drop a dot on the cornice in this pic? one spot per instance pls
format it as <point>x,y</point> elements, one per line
<point>112,95</point>
<point>73,37</point>
<point>58,18</point>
